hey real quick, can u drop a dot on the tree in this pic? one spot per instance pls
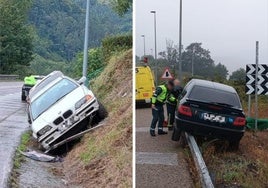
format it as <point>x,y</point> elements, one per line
<point>172,52</point>
<point>95,61</point>
<point>203,63</point>
<point>60,24</point>
<point>15,36</point>
<point>121,6</point>
<point>239,76</point>
<point>220,72</point>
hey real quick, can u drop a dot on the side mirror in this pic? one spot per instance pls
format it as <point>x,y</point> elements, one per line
<point>82,80</point>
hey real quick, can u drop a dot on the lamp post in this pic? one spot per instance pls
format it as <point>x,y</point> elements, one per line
<point>180,42</point>
<point>193,56</point>
<point>85,57</point>
<point>155,47</point>
<point>143,36</point>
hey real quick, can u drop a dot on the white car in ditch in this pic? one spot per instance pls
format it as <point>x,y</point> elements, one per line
<point>60,107</point>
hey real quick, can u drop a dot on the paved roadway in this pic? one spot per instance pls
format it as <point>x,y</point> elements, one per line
<point>159,161</point>
<point>13,122</point>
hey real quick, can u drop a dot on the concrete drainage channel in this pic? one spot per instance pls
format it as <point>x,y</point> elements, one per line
<point>205,178</point>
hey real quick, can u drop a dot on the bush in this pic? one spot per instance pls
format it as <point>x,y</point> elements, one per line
<point>95,62</point>
<point>113,44</point>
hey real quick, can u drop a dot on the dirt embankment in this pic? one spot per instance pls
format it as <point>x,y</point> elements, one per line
<point>104,158</point>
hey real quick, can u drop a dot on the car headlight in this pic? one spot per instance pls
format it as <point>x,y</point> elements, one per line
<point>82,101</point>
<point>44,130</point>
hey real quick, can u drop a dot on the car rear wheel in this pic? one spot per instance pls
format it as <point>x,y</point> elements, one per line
<point>234,145</point>
<point>176,134</point>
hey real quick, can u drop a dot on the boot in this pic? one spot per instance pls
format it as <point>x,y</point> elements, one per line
<point>152,133</point>
<point>161,132</point>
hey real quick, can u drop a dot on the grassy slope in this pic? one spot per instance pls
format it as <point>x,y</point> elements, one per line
<point>104,158</point>
<point>247,167</point>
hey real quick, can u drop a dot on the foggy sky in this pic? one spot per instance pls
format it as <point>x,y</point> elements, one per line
<point>228,28</point>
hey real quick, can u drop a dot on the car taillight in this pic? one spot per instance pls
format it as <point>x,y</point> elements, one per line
<point>239,121</point>
<point>185,110</point>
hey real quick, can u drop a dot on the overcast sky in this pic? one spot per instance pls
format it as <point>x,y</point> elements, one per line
<point>228,28</point>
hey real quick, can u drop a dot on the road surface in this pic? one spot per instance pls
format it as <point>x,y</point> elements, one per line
<point>159,161</point>
<point>13,122</point>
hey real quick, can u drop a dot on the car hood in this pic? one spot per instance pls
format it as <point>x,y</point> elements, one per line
<point>56,110</point>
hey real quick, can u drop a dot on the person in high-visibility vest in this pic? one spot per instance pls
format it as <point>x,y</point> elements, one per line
<point>30,80</point>
<point>158,100</point>
<point>171,104</point>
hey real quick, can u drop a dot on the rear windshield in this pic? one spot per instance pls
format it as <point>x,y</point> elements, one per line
<point>215,96</point>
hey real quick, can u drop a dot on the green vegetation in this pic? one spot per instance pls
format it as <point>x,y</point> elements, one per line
<point>204,65</point>
<point>98,57</point>
<point>114,44</point>
<point>239,169</point>
<point>39,36</point>
<point>59,36</point>
<point>19,159</point>
<point>105,156</point>
<point>16,47</point>
<point>95,62</point>
<point>121,6</point>
<point>25,138</point>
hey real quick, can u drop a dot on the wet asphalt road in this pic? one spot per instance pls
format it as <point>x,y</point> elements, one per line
<point>13,123</point>
<point>159,161</point>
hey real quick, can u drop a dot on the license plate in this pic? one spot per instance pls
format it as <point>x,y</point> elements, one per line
<point>213,117</point>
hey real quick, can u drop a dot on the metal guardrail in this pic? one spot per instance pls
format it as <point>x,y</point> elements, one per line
<point>9,77</point>
<point>206,181</point>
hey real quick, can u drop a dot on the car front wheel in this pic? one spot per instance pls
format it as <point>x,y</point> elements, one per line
<point>100,115</point>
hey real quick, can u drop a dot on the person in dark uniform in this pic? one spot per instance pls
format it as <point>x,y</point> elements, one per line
<point>158,100</point>
<point>171,103</point>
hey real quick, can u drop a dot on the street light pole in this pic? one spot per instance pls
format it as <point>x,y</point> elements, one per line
<point>193,56</point>
<point>85,57</point>
<point>180,43</point>
<point>155,47</point>
<point>143,36</point>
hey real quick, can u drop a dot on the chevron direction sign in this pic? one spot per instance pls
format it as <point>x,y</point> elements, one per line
<point>262,79</point>
<point>262,89</point>
<point>262,69</point>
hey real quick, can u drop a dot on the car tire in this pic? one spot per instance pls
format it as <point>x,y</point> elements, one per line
<point>234,145</point>
<point>183,141</point>
<point>100,115</point>
<point>23,97</point>
<point>176,134</point>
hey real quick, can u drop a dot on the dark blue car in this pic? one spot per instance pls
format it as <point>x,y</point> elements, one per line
<point>211,110</point>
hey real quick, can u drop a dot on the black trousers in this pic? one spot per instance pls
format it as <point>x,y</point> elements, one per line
<point>171,113</point>
<point>158,116</point>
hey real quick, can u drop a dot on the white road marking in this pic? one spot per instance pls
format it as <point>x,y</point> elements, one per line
<point>156,158</point>
<point>147,129</point>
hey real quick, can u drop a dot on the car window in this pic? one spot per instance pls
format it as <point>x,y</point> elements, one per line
<point>51,96</point>
<point>183,93</point>
<point>213,95</point>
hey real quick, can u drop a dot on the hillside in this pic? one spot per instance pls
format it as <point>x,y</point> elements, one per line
<point>58,30</point>
<point>104,158</point>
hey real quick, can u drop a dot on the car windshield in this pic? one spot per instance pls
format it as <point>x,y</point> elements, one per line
<point>51,96</point>
<point>211,95</point>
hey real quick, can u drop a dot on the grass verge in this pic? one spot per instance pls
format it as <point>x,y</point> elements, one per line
<point>19,158</point>
<point>104,158</point>
<point>247,167</point>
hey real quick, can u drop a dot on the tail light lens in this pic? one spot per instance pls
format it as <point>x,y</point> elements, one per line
<point>239,121</point>
<point>185,110</point>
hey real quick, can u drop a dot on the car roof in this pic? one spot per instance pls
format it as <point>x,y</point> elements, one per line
<point>45,81</point>
<point>213,85</point>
